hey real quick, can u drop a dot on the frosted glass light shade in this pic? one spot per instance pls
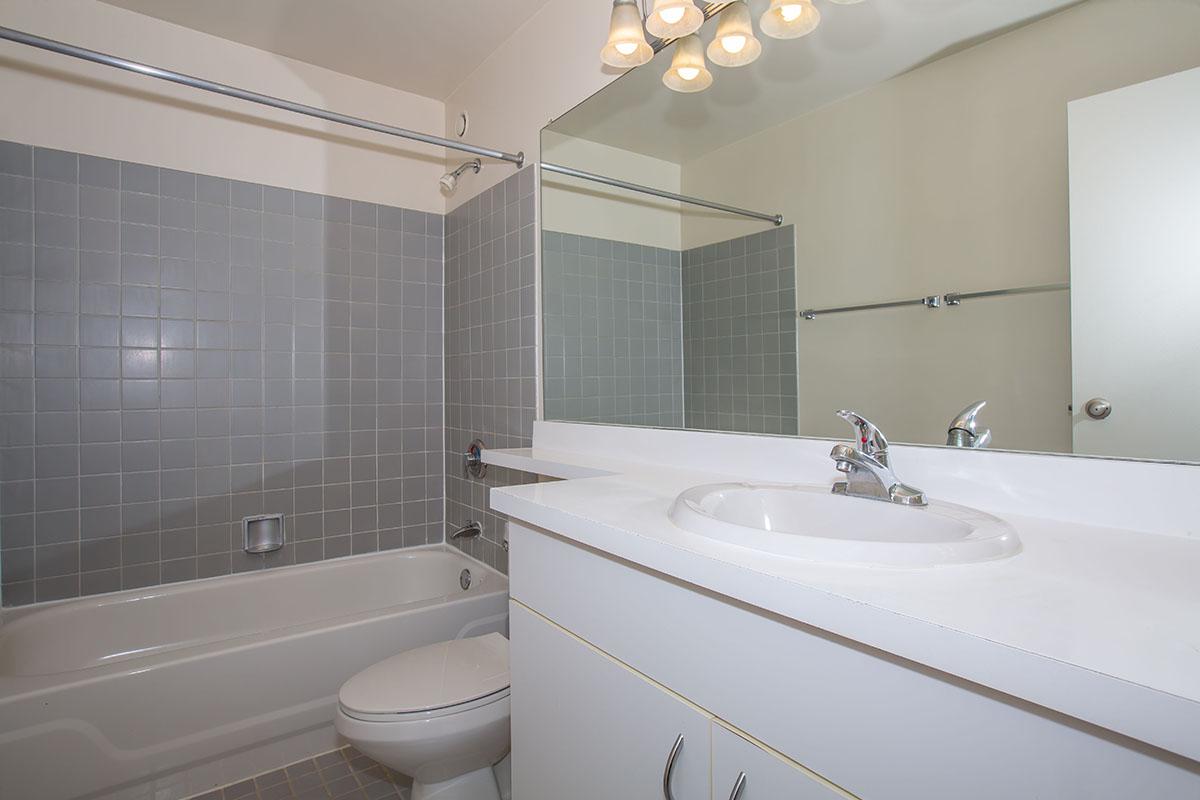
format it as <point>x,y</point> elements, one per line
<point>734,45</point>
<point>789,19</point>
<point>626,46</point>
<point>674,19</point>
<point>688,72</point>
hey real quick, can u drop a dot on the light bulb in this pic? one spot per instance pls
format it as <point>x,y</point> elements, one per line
<point>672,15</point>
<point>790,19</point>
<point>674,19</point>
<point>626,46</point>
<point>688,72</point>
<point>733,44</point>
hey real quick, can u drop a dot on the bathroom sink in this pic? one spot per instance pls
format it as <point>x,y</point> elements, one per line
<point>811,523</point>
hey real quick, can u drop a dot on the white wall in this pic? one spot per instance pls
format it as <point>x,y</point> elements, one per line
<point>549,65</point>
<point>952,177</point>
<point>55,101</point>
<point>572,205</point>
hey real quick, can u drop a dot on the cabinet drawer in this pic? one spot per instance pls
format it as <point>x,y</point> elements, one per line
<point>878,726</point>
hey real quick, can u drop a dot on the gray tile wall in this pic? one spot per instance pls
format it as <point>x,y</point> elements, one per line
<point>614,349</point>
<point>739,334</point>
<point>491,368</point>
<point>178,351</point>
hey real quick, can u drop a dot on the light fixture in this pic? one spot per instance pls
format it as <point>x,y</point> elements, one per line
<point>734,45</point>
<point>789,19</point>
<point>674,19</point>
<point>688,72</point>
<point>626,46</point>
<point>677,21</point>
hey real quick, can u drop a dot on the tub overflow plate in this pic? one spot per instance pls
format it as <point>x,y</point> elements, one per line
<point>464,579</point>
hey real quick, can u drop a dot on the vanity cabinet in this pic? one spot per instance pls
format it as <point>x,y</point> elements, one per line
<point>611,661</point>
<point>593,729</point>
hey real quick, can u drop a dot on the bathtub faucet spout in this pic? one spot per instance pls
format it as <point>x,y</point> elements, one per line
<point>468,531</point>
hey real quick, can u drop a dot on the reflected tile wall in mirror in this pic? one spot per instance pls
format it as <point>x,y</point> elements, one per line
<point>739,334</point>
<point>613,313</point>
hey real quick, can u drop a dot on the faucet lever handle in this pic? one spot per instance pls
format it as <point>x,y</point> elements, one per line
<point>968,418</point>
<point>870,438</point>
<point>964,429</point>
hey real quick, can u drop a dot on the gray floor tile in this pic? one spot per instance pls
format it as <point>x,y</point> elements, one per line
<point>343,774</point>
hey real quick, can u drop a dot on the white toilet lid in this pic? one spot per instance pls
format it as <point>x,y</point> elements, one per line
<point>436,676</point>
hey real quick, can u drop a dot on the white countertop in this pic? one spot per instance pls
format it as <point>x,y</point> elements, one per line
<point>1098,623</point>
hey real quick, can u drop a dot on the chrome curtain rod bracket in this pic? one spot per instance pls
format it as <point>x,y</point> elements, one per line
<point>774,219</point>
<point>936,300</point>
<point>95,57</point>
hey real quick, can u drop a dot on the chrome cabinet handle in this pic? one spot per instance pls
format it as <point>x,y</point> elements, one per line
<point>738,785</point>
<point>670,768</point>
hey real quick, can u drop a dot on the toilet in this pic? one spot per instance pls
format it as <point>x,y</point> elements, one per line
<point>438,713</point>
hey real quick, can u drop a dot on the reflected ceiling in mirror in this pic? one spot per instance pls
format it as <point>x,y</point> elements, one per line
<point>972,212</point>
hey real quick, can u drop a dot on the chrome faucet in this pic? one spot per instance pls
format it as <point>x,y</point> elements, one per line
<point>964,430</point>
<point>868,468</point>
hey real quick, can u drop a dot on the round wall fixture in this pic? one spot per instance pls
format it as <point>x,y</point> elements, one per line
<point>460,127</point>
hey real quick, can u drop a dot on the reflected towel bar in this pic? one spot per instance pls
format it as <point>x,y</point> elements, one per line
<point>774,219</point>
<point>936,300</point>
<point>62,48</point>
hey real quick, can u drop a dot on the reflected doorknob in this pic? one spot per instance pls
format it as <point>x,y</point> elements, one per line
<point>1098,408</point>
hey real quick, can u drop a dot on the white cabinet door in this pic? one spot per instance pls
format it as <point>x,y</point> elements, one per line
<point>585,727</point>
<point>767,776</point>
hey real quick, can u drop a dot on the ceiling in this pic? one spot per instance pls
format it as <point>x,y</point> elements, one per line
<point>428,48</point>
<point>854,48</point>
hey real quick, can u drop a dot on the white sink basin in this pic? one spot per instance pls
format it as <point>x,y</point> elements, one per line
<point>810,523</point>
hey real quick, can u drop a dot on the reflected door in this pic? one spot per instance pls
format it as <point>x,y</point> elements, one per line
<point>1135,269</point>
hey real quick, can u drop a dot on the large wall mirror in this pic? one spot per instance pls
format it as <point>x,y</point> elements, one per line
<point>980,200</point>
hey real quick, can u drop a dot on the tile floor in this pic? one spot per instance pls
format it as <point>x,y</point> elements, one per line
<point>344,773</point>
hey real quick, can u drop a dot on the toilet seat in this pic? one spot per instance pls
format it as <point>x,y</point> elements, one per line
<point>433,681</point>
<point>434,713</point>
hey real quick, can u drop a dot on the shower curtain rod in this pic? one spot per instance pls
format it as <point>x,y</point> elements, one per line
<point>936,300</point>
<point>774,219</point>
<point>83,53</point>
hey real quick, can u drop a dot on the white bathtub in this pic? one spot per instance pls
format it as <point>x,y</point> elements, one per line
<point>171,690</point>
